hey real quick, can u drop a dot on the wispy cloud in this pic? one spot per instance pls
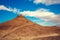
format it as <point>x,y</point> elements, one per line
<point>47,2</point>
<point>2,7</point>
<point>43,14</point>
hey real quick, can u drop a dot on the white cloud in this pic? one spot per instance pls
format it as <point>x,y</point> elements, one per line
<point>47,2</point>
<point>40,13</point>
<point>43,14</point>
<point>2,7</point>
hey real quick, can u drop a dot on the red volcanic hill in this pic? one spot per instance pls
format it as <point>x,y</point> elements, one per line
<point>22,29</point>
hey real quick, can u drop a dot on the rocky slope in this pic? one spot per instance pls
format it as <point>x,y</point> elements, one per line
<point>22,29</point>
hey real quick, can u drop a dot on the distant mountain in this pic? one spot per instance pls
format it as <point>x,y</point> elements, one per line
<point>21,28</point>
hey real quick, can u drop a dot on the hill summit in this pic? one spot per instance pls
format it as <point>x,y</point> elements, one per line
<point>21,28</point>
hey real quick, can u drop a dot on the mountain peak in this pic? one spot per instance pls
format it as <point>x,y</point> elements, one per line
<point>22,27</point>
<point>18,21</point>
<point>20,16</point>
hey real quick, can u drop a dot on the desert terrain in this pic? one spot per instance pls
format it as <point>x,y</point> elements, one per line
<point>21,28</point>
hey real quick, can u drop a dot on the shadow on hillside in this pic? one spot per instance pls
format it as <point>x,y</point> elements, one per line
<point>4,27</point>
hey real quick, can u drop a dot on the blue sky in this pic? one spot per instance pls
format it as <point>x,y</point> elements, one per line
<point>10,9</point>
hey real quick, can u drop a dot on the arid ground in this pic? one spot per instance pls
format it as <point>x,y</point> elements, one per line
<point>22,29</point>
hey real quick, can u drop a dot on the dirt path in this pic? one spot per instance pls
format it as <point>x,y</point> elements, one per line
<point>28,38</point>
<point>7,33</point>
<point>41,36</point>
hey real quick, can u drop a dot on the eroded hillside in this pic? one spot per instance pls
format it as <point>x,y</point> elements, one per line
<point>22,29</point>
